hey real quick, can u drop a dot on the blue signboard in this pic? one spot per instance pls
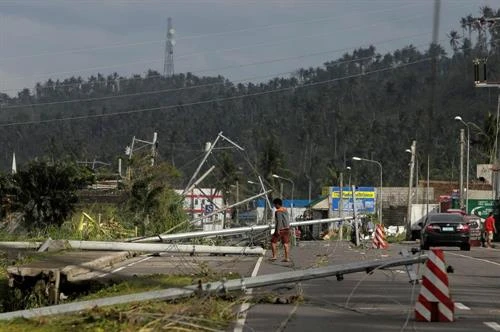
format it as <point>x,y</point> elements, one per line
<point>209,208</point>
<point>365,199</point>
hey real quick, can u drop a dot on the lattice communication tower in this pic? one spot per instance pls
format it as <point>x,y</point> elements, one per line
<point>168,67</point>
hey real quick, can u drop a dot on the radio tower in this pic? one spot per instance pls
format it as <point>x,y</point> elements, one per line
<point>168,67</point>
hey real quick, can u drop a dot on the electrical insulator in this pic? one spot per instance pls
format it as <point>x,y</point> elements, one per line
<point>480,73</point>
<point>476,72</point>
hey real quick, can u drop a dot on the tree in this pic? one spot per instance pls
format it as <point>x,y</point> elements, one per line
<point>144,202</point>
<point>45,192</point>
<point>151,204</point>
<point>454,40</point>
<point>5,195</point>
<point>272,159</point>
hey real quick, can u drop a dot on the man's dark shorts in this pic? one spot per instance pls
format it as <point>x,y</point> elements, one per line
<point>283,235</point>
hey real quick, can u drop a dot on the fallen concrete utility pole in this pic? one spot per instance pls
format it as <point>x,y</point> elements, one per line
<point>231,285</point>
<point>155,238</point>
<point>200,179</point>
<point>160,247</point>
<point>233,231</point>
<point>20,245</point>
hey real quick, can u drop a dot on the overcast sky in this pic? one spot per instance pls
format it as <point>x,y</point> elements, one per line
<point>244,40</point>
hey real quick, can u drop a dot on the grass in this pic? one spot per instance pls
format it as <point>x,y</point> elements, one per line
<point>396,238</point>
<point>193,314</point>
<point>138,284</point>
<point>4,287</point>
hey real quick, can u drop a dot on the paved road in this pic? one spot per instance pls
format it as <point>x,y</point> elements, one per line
<point>179,264</point>
<point>382,301</point>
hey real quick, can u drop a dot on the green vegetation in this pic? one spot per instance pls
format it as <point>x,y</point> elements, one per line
<point>42,199</point>
<point>193,314</point>
<point>3,280</point>
<point>139,284</point>
<point>306,126</point>
<point>365,103</point>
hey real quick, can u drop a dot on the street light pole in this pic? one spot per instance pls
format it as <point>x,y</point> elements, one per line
<point>293,187</point>
<point>381,183</point>
<point>466,124</point>
<point>349,169</point>
<point>410,183</point>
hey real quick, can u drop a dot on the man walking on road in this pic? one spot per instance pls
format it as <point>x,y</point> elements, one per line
<point>281,230</point>
<point>489,229</point>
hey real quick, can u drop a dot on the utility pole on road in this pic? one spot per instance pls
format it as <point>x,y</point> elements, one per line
<point>462,144</point>
<point>410,183</point>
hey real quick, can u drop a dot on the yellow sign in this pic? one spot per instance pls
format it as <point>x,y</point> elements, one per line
<point>359,194</point>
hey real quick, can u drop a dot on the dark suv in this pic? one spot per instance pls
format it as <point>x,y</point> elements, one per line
<point>445,229</point>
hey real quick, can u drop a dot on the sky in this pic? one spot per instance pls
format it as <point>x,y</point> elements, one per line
<point>243,40</point>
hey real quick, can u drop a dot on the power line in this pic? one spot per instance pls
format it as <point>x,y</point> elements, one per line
<point>212,84</point>
<point>220,33</point>
<point>282,41</point>
<point>338,62</point>
<point>166,107</point>
<point>192,54</point>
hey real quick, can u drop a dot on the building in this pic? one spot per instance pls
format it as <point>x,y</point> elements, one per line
<point>200,202</point>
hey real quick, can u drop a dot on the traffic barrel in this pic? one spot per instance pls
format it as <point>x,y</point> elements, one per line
<point>434,303</point>
<point>379,240</point>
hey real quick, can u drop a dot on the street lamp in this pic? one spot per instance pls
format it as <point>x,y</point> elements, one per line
<point>381,183</point>
<point>349,169</point>
<point>293,187</point>
<point>466,124</point>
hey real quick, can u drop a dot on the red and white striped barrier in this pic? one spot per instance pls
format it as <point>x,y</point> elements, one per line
<point>434,302</point>
<point>379,240</point>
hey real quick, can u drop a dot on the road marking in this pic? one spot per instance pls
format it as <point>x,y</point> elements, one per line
<point>242,313</point>
<point>477,259</point>
<point>494,325</point>
<point>123,267</point>
<point>257,267</point>
<point>131,264</point>
<point>462,306</point>
<point>285,322</point>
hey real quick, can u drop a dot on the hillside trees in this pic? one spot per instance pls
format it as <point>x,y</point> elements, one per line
<point>364,103</point>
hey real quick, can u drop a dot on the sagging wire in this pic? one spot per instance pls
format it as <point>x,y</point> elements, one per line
<point>412,297</point>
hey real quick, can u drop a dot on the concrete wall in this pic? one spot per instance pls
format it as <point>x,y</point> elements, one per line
<point>398,196</point>
<point>481,194</point>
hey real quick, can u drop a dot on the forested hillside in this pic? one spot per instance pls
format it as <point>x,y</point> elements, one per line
<point>363,104</point>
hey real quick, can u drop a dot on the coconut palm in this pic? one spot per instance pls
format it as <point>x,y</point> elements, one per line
<point>454,40</point>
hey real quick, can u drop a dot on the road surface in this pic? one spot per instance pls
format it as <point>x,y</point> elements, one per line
<point>382,301</point>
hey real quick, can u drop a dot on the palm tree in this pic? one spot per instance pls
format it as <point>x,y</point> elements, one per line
<point>470,24</point>
<point>486,11</point>
<point>454,40</point>
<point>144,201</point>
<point>463,24</point>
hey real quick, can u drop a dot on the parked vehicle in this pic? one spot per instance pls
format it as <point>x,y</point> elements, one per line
<point>445,229</point>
